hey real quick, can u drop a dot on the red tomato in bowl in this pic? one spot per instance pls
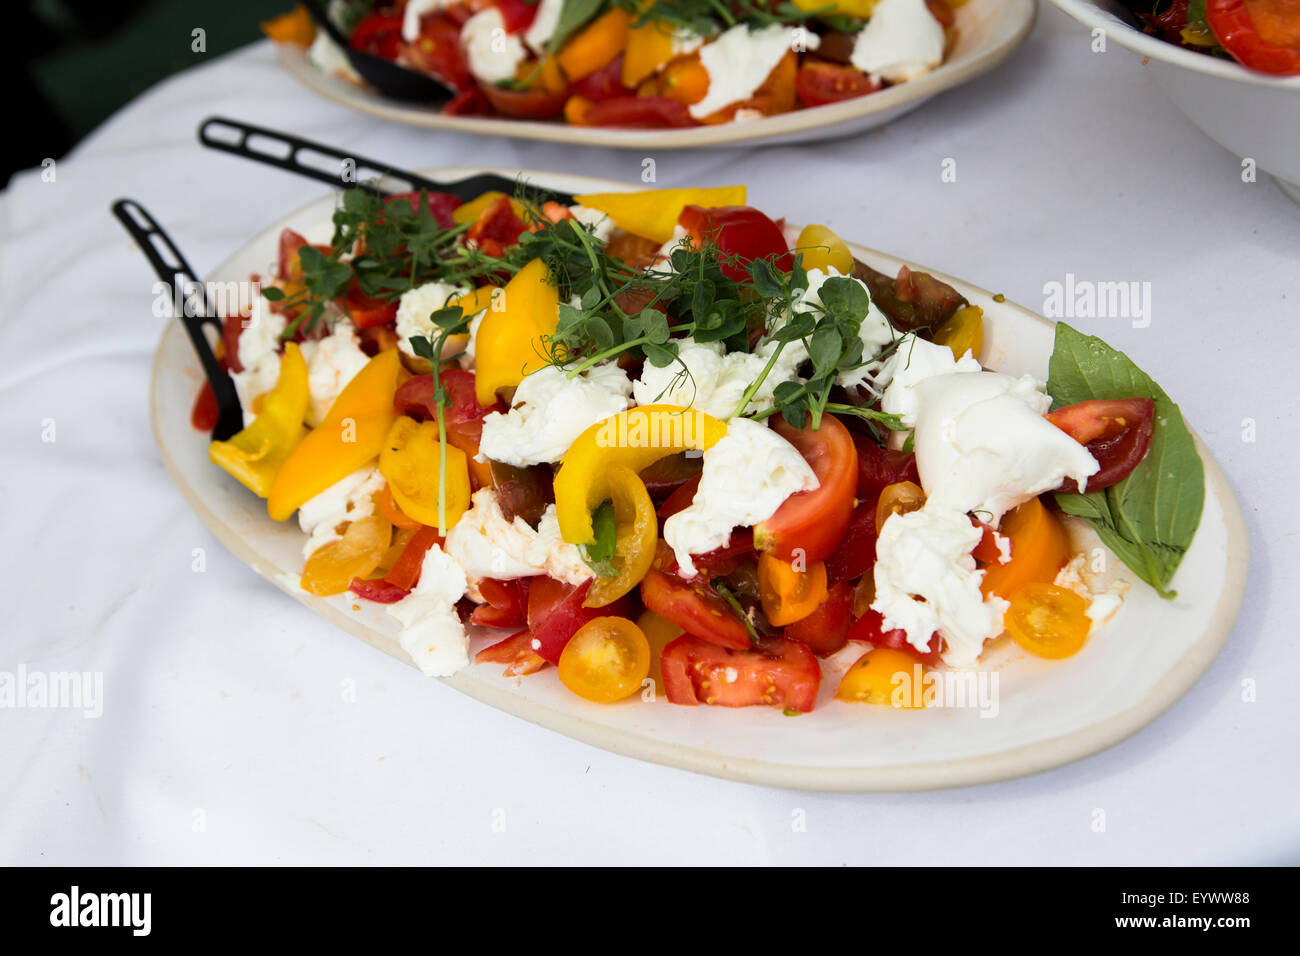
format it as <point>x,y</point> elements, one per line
<point>826,629</point>
<point>818,83</point>
<point>775,673</point>
<point>1262,34</point>
<point>814,521</point>
<point>740,231</point>
<point>377,35</point>
<point>880,467</point>
<point>868,628</point>
<point>638,112</point>
<point>1116,431</point>
<point>525,104</point>
<point>694,607</point>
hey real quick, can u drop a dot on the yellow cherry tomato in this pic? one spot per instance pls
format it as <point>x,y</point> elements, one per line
<point>637,529</point>
<point>898,499</point>
<point>331,567</point>
<point>348,438</point>
<point>884,676</point>
<point>824,250</point>
<point>660,632</point>
<point>606,660</point>
<point>963,331</point>
<point>653,213</point>
<point>636,439</point>
<point>788,594</point>
<point>1048,621</point>
<point>256,454</point>
<point>510,343</point>
<point>410,461</point>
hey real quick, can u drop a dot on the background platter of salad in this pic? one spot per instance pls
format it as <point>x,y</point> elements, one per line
<point>837,469</point>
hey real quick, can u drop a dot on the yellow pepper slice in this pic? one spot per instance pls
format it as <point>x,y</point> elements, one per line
<point>256,454</point>
<point>637,529</point>
<point>470,211</point>
<point>820,248</point>
<point>596,45</point>
<point>410,462</point>
<point>653,213</point>
<point>963,332</point>
<point>348,438</point>
<point>844,8</point>
<point>635,439</point>
<point>509,344</point>
<point>649,47</point>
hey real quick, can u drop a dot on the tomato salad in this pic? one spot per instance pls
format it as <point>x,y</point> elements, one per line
<point>642,63</point>
<point>661,439</point>
<point>1261,34</point>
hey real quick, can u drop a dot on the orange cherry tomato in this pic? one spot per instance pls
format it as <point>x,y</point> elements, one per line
<point>1039,549</point>
<point>787,594</point>
<point>898,499</point>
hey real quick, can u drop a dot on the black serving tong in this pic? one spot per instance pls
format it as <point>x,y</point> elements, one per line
<point>389,79</point>
<point>172,268</point>
<point>296,155</point>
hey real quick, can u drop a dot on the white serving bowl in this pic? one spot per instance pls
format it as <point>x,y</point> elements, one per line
<point>1253,114</point>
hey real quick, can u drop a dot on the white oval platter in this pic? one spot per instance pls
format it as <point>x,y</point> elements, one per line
<point>1048,712</point>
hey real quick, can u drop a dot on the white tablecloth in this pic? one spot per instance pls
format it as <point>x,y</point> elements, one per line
<point>225,737</point>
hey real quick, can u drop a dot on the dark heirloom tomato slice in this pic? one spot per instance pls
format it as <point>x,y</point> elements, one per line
<point>868,629</point>
<point>826,629</point>
<point>1262,34</point>
<point>670,473</point>
<point>694,607</point>
<point>1116,431</point>
<point>523,492</point>
<point>740,231</point>
<point>818,83</point>
<point>816,520</point>
<point>680,499</point>
<point>775,673</point>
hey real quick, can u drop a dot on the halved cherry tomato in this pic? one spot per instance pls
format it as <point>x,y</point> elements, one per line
<point>789,594</point>
<point>636,533</point>
<point>820,248</point>
<point>826,629</point>
<point>742,233</point>
<point>606,660</point>
<point>898,499</point>
<point>437,51</point>
<point>868,629</point>
<point>695,607</point>
<point>883,676</point>
<point>1262,34</point>
<point>287,261</point>
<point>463,413</point>
<point>814,521</point>
<point>525,104</point>
<point>963,332</point>
<point>685,80</point>
<point>498,223</point>
<point>1039,549</point>
<point>1048,621</point>
<point>819,82</point>
<point>1116,431</point>
<point>878,467</point>
<point>775,673</point>
<point>556,611</point>
<point>516,652</point>
<point>366,311</point>
<point>504,603</point>
<point>377,590</point>
<point>377,35</point>
<point>638,112</point>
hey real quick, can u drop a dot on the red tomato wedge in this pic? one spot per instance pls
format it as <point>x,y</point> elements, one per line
<point>826,629</point>
<point>818,83</point>
<point>555,613</point>
<point>1262,34</point>
<point>775,673</point>
<point>740,231</point>
<point>638,112</point>
<point>814,521</point>
<point>855,555</point>
<point>1116,431</point>
<point>405,572</point>
<point>437,51</point>
<point>377,590</point>
<point>516,652</point>
<point>868,629</point>
<point>504,603</point>
<point>694,607</point>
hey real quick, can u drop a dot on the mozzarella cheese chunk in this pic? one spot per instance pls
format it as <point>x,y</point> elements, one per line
<point>705,379</point>
<point>900,42</point>
<point>328,58</point>
<point>913,362</point>
<point>983,445</point>
<point>349,499</point>
<point>414,12</point>
<point>492,53</point>
<point>332,362</point>
<point>414,309</point>
<point>431,629</point>
<point>550,410</point>
<point>539,32</point>
<point>926,581</point>
<point>467,356</point>
<point>740,59</point>
<point>486,545</point>
<point>601,226</point>
<point>746,477</point>
<point>259,356</point>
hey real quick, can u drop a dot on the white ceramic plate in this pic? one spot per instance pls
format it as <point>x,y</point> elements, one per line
<point>1049,712</point>
<point>1252,114</point>
<point>988,31</point>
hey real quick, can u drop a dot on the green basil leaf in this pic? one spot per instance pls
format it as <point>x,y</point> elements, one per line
<point>1149,518</point>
